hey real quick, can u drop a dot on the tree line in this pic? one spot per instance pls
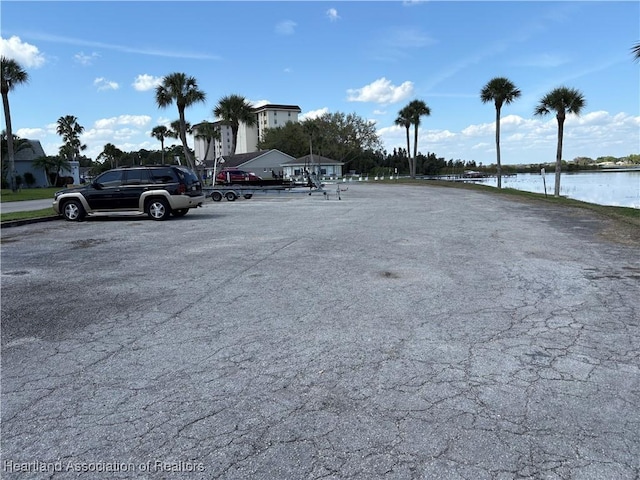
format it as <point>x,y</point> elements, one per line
<point>344,137</point>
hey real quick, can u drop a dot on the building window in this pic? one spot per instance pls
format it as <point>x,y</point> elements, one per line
<point>275,121</point>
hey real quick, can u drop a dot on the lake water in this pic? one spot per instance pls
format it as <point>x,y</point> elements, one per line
<point>617,188</point>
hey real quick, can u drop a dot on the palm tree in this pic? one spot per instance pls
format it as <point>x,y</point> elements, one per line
<point>403,120</point>
<point>208,132</point>
<point>12,75</point>
<point>500,91</point>
<point>18,145</point>
<point>52,165</point>
<point>183,90</point>
<point>70,130</point>
<point>412,113</point>
<point>635,51</point>
<point>48,164</point>
<point>561,100</point>
<point>160,132</point>
<point>233,109</point>
<point>110,153</point>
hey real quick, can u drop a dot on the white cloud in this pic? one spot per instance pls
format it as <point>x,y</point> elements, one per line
<point>259,103</point>
<point>593,134</point>
<point>135,120</point>
<point>332,14</point>
<point>313,114</point>
<point>145,82</point>
<point>381,91</point>
<point>27,55</point>
<point>84,59</point>
<point>379,112</point>
<point>286,27</point>
<point>30,133</point>
<point>104,84</point>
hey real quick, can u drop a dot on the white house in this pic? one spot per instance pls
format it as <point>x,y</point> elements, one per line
<point>325,167</point>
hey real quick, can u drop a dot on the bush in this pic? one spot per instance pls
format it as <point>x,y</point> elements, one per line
<point>29,179</point>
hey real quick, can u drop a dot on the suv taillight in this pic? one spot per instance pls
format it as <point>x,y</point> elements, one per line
<point>182,189</point>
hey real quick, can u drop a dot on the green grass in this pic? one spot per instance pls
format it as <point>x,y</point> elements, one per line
<point>27,194</point>
<point>45,212</point>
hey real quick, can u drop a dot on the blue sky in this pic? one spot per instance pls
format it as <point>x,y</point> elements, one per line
<point>100,62</point>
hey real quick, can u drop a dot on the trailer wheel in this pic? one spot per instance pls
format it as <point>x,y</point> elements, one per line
<point>216,196</point>
<point>248,195</point>
<point>230,196</point>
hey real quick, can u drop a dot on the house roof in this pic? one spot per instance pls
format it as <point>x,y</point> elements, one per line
<point>272,106</point>
<point>234,161</point>
<point>30,153</point>
<point>313,159</point>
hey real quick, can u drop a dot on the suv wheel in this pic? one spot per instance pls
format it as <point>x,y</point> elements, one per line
<point>73,211</point>
<point>158,209</point>
<point>181,212</point>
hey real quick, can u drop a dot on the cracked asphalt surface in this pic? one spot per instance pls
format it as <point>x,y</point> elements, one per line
<point>403,332</point>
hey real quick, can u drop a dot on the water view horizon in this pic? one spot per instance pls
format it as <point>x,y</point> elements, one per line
<point>619,188</point>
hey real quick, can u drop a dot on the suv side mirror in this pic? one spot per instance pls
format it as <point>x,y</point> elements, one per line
<point>96,185</point>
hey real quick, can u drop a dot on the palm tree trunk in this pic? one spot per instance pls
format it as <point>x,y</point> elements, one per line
<point>234,139</point>
<point>162,146</point>
<point>409,152</point>
<point>183,139</point>
<point>10,153</point>
<point>415,150</point>
<point>556,191</point>
<point>499,166</point>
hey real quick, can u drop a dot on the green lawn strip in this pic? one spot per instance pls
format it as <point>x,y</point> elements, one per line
<point>12,216</point>
<point>7,195</point>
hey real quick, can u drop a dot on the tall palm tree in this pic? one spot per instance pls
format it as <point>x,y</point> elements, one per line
<point>233,109</point>
<point>12,75</point>
<point>183,90</point>
<point>160,132</point>
<point>500,91</point>
<point>70,130</point>
<point>404,120</point>
<point>561,100</point>
<point>413,112</point>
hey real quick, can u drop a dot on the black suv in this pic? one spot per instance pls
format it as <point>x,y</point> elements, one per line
<point>159,191</point>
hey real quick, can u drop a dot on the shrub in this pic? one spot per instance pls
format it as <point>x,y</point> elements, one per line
<point>29,179</point>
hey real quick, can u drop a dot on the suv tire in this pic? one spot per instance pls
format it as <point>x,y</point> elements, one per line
<point>73,211</point>
<point>158,209</point>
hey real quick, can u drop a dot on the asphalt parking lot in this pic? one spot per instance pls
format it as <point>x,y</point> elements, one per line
<point>399,333</point>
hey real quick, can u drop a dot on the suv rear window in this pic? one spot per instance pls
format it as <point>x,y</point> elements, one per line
<point>187,175</point>
<point>162,175</point>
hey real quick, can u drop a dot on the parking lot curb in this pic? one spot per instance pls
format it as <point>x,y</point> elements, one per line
<point>27,221</point>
